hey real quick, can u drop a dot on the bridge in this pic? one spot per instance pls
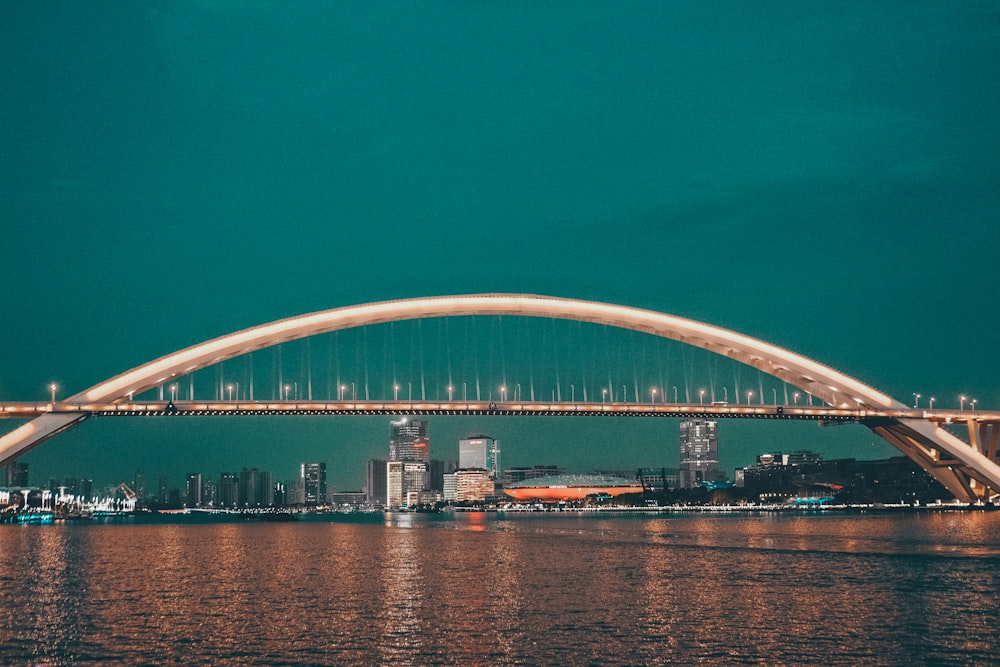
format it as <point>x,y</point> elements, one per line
<point>968,470</point>
<point>181,408</point>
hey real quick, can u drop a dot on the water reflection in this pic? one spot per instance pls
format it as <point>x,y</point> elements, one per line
<point>401,591</point>
<point>489,589</point>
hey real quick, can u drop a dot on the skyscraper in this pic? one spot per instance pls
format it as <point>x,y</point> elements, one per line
<point>699,453</point>
<point>479,451</point>
<point>409,441</point>
<point>375,481</point>
<point>402,478</point>
<point>192,490</point>
<point>313,480</point>
<point>16,473</point>
<point>229,489</point>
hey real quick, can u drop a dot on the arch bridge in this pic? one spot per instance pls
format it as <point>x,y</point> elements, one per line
<point>969,471</point>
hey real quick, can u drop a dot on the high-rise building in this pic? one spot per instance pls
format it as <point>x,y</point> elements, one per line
<point>265,489</point>
<point>479,451</point>
<point>16,474</point>
<point>256,489</point>
<point>248,487</point>
<point>209,492</point>
<point>699,453</point>
<point>375,481</point>
<point>229,489</point>
<point>139,484</point>
<point>409,441</point>
<point>438,469</point>
<point>192,490</point>
<point>450,487</point>
<point>313,480</point>
<point>163,490</point>
<point>403,478</point>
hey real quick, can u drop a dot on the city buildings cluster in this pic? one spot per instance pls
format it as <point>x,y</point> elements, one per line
<point>410,478</point>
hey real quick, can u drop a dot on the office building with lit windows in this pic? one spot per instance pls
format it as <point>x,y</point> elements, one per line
<point>402,479</point>
<point>699,453</point>
<point>409,441</point>
<point>312,478</point>
<point>480,452</point>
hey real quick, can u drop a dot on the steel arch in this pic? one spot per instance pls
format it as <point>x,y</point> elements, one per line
<point>966,472</point>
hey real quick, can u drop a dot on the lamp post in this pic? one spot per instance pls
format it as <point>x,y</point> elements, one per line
<point>675,393</point>
<point>932,403</point>
<point>652,395</point>
<point>229,389</point>
<point>464,393</point>
<point>749,397</point>
<point>973,404</point>
<point>604,395</point>
<point>340,396</point>
<point>701,397</point>
<point>286,391</point>
<point>173,392</point>
<point>961,403</point>
<point>52,388</point>
<point>517,392</point>
<point>572,393</point>
<point>916,401</point>
<point>503,393</point>
<point>624,394</point>
<point>450,390</point>
<point>395,392</point>
<point>725,394</point>
<point>795,397</point>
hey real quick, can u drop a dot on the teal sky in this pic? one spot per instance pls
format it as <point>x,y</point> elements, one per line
<point>822,175</point>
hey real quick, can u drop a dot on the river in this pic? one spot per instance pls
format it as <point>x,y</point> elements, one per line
<point>882,588</point>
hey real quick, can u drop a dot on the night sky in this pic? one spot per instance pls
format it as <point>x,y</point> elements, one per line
<point>825,176</point>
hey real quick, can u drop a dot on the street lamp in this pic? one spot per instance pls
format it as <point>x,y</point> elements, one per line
<point>572,393</point>
<point>604,395</point>
<point>675,393</point>
<point>749,396</point>
<point>795,397</point>
<point>961,404</point>
<point>395,392</point>
<point>932,399</point>
<point>916,401</point>
<point>652,395</point>
<point>173,392</point>
<point>287,387</point>
<point>624,395</point>
<point>774,394</point>
<point>973,402</point>
<point>517,392</point>
<point>450,390</point>
<point>725,394</point>
<point>52,388</point>
<point>503,392</point>
<point>701,396</point>
<point>229,388</point>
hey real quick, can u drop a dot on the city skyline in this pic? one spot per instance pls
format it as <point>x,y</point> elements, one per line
<point>221,169</point>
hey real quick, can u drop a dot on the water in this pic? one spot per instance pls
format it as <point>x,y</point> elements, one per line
<point>532,589</point>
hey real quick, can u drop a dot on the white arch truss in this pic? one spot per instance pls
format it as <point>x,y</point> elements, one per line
<point>967,473</point>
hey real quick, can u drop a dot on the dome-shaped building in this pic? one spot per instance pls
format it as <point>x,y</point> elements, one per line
<point>570,487</point>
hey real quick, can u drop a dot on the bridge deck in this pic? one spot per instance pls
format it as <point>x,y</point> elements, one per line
<point>29,410</point>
